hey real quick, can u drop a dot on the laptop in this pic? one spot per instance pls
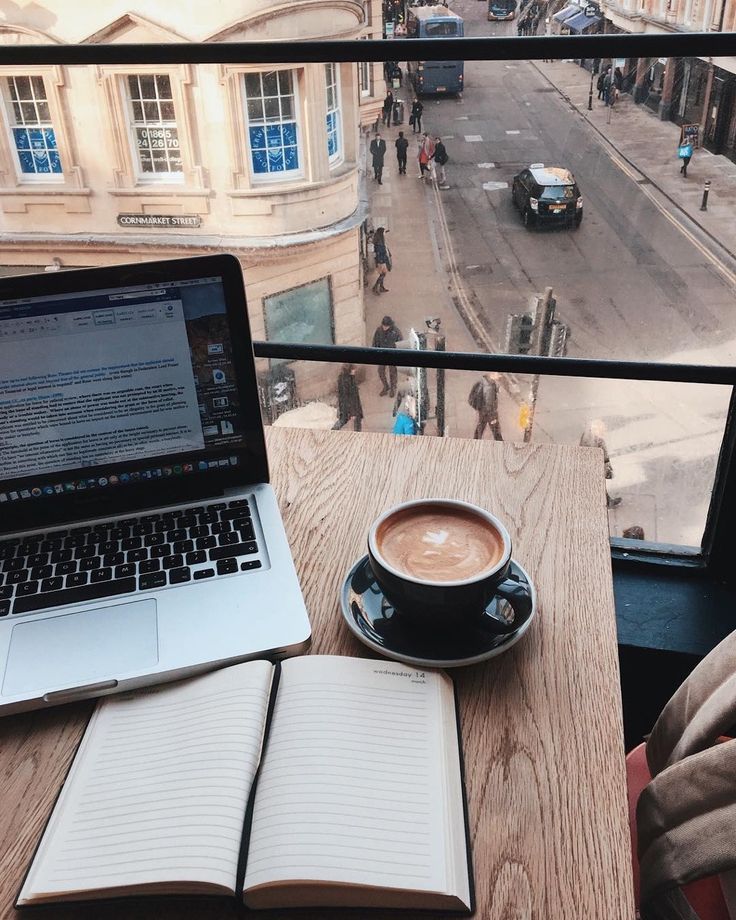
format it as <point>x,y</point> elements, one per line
<point>140,540</point>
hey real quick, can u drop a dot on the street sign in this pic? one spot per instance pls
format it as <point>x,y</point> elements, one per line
<point>389,30</point>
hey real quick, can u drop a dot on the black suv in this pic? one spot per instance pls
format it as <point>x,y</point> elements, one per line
<point>547,195</point>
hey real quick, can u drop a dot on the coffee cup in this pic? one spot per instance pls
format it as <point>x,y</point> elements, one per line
<point>440,563</point>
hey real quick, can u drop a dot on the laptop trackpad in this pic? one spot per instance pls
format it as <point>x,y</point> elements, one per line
<point>82,648</point>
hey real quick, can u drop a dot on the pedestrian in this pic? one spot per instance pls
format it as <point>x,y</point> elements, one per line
<point>406,421</point>
<point>441,158</point>
<point>618,83</point>
<point>685,153</point>
<point>386,336</point>
<point>415,120</point>
<point>383,260</point>
<point>483,397</point>
<point>594,436</point>
<point>426,152</point>
<point>378,152</point>
<point>388,107</point>
<point>348,399</point>
<point>402,145</point>
<point>607,84</point>
<point>600,83</point>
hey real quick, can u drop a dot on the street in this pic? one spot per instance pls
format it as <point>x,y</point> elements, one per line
<point>630,284</point>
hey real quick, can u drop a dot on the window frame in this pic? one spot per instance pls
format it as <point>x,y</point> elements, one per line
<point>142,177</point>
<point>338,157</point>
<point>33,178</point>
<point>276,177</point>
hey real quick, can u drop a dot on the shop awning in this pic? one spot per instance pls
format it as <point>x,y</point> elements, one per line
<point>581,22</point>
<point>569,11</point>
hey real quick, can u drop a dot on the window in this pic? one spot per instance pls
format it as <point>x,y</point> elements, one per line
<point>153,127</point>
<point>272,126</point>
<point>364,75</point>
<point>302,314</point>
<point>333,113</point>
<point>34,138</point>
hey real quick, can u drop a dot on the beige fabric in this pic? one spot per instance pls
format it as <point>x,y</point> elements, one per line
<point>686,816</point>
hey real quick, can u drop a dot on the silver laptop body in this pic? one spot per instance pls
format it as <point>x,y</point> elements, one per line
<point>140,540</point>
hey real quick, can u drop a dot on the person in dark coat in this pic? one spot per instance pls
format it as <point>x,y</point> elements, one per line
<point>402,145</point>
<point>440,158</point>
<point>388,107</point>
<point>599,83</point>
<point>383,260</point>
<point>483,397</point>
<point>386,336</point>
<point>378,152</point>
<point>348,399</point>
<point>416,115</point>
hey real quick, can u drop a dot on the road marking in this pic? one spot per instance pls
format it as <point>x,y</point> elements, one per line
<point>714,260</point>
<point>473,138</point>
<point>469,268</point>
<point>462,117</point>
<point>494,186</point>
<point>513,132</point>
<point>486,165</point>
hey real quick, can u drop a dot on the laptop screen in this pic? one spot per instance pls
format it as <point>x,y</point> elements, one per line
<point>120,385</point>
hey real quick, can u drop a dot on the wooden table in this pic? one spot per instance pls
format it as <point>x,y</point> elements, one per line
<point>541,724</point>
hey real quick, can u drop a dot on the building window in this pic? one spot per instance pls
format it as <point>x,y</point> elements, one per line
<point>34,138</point>
<point>333,113</point>
<point>302,314</point>
<point>153,127</point>
<point>272,125</point>
<point>364,76</point>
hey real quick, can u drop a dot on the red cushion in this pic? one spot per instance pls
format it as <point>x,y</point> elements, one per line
<point>705,896</point>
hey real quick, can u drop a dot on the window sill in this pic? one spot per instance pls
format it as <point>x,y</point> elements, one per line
<point>40,190</point>
<point>173,191</point>
<point>675,610</point>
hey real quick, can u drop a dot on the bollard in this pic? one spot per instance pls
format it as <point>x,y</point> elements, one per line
<point>704,202</point>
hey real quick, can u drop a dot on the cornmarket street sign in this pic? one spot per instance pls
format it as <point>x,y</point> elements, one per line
<point>159,220</point>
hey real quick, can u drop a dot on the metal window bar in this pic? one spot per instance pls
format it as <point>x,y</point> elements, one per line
<point>716,555</point>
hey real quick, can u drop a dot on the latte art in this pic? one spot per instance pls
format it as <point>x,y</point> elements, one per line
<point>439,543</point>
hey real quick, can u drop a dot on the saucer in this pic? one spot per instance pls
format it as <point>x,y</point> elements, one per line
<point>375,622</point>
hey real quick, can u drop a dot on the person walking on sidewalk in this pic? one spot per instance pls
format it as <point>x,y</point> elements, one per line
<point>406,417</point>
<point>416,116</point>
<point>388,107</point>
<point>440,158</point>
<point>402,145</point>
<point>607,87</point>
<point>483,397</point>
<point>685,153</point>
<point>593,436</point>
<point>383,260</point>
<point>386,336</point>
<point>426,152</point>
<point>348,399</point>
<point>378,152</point>
<point>618,84</point>
<point>600,82</point>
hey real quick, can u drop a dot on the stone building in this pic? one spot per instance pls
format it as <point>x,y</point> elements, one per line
<point>104,164</point>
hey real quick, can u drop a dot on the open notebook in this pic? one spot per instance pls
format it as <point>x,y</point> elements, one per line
<point>321,781</point>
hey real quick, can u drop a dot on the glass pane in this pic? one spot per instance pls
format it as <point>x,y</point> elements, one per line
<point>255,109</point>
<point>260,161</point>
<point>150,111</point>
<point>134,87</point>
<point>253,84</point>
<point>287,107</point>
<point>41,160</point>
<point>275,159</point>
<point>257,137</point>
<point>11,88</point>
<point>23,86</point>
<point>302,315</point>
<point>291,158</point>
<point>285,82</point>
<point>146,161</point>
<point>22,140</point>
<point>38,88</point>
<point>289,133</point>
<point>28,113</point>
<point>26,161</point>
<point>55,161</point>
<point>17,113</point>
<point>137,111</point>
<point>163,81</point>
<point>167,111</point>
<point>43,112</point>
<point>148,87</point>
<point>272,107</point>
<point>37,139</point>
<point>270,84</point>
<point>273,135</point>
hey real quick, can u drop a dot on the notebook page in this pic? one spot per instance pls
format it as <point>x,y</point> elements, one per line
<point>158,790</point>
<point>351,784</point>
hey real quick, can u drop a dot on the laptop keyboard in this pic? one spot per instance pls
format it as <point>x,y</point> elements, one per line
<point>142,553</point>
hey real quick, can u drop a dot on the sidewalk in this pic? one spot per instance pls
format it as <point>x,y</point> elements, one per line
<point>649,146</point>
<point>408,208</point>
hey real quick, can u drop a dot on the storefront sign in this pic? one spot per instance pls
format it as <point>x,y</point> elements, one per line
<point>389,30</point>
<point>159,220</point>
<point>690,134</point>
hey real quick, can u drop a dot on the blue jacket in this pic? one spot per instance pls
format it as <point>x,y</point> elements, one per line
<point>404,424</point>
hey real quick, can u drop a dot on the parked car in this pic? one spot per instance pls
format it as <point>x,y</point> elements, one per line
<point>547,195</point>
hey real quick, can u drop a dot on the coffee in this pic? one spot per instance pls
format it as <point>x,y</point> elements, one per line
<point>439,543</point>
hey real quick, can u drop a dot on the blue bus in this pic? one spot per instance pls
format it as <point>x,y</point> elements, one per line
<point>434,77</point>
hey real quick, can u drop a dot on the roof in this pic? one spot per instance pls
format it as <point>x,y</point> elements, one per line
<point>433,12</point>
<point>568,11</point>
<point>551,175</point>
<point>581,22</point>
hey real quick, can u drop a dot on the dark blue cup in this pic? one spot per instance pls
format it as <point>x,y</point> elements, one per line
<point>447,604</point>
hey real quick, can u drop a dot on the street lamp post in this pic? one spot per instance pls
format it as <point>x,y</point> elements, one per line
<point>590,93</point>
